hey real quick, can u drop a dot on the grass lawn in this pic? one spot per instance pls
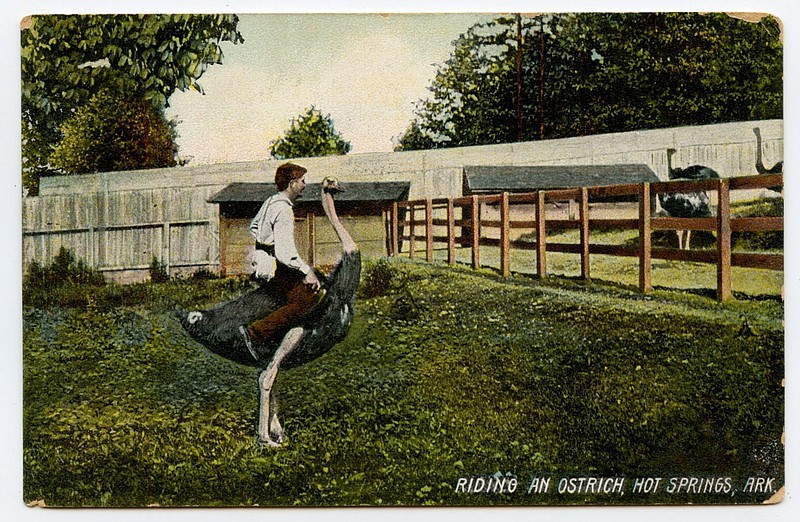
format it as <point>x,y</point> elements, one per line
<point>447,374</point>
<point>676,275</point>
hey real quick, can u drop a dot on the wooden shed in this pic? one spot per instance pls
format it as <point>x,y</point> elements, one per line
<point>363,208</point>
<point>495,179</point>
<point>520,179</point>
<point>485,179</point>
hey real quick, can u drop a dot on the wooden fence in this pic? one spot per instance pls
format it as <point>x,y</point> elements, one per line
<point>120,233</point>
<point>406,218</point>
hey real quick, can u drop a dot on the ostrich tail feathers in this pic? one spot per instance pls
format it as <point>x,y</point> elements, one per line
<point>180,313</point>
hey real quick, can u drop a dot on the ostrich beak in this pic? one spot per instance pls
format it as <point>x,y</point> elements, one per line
<point>333,187</point>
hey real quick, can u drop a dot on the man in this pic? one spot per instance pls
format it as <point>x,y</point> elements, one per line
<point>273,230</point>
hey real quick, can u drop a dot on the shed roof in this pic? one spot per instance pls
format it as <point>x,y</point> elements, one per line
<point>354,191</point>
<point>493,179</point>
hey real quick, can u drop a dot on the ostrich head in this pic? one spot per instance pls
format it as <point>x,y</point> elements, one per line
<point>331,185</point>
<point>191,321</point>
<point>672,173</point>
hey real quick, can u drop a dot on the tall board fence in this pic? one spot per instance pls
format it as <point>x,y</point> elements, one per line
<point>453,215</point>
<point>121,233</point>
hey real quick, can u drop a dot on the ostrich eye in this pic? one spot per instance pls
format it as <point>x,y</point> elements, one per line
<point>193,317</point>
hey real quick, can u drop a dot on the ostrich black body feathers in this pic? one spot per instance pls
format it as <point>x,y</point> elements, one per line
<point>686,205</point>
<point>218,328</point>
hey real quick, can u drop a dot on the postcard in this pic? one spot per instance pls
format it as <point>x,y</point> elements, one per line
<point>408,259</point>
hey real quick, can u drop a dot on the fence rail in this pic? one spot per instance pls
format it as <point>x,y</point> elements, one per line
<point>414,223</point>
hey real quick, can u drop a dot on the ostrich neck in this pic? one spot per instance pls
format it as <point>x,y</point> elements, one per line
<point>759,161</point>
<point>348,245</point>
<point>669,161</point>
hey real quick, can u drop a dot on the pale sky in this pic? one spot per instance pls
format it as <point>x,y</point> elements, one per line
<point>365,70</point>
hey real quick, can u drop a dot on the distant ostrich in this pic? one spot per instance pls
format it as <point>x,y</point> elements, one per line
<point>776,169</point>
<point>327,324</point>
<point>690,204</point>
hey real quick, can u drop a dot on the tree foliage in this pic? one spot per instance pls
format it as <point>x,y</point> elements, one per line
<point>472,93</point>
<point>67,59</point>
<point>592,73</point>
<point>115,132</point>
<point>310,134</point>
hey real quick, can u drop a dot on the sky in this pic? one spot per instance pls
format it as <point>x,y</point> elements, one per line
<point>364,70</point>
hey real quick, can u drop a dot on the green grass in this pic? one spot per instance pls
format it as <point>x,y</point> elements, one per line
<point>446,373</point>
<point>674,275</point>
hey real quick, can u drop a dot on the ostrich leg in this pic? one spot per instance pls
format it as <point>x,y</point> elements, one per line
<point>268,423</point>
<point>275,428</point>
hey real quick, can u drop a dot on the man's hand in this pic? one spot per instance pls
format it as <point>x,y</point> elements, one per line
<point>311,281</point>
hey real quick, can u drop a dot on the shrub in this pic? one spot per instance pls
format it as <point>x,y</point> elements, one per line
<point>377,279</point>
<point>43,286</point>
<point>158,271</point>
<point>64,269</point>
<point>203,274</point>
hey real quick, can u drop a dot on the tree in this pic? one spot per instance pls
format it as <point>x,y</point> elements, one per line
<point>311,134</point>
<point>67,59</point>
<point>655,70</point>
<point>115,132</point>
<point>592,73</point>
<point>488,90</point>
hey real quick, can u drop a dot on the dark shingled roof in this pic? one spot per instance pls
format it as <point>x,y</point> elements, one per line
<point>354,191</point>
<point>494,179</point>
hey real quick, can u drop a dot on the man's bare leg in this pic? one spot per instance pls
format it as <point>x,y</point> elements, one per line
<point>268,410</point>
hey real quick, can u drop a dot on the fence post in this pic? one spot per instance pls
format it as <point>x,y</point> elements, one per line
<point>411,244</point>
<point>476,234</point>
<point>505,241</point>
<point>583,214</point>
<point>311,239</point>
<point>165,246</point>
<point>429,230</point>
<point>541,236</point>
<point>724,291</point>
<point>395,231</point>
<point>645,243</point>
<point>90,248</point>
<point>90,217</point>
<point>387,231</point>
<point>451,233</point>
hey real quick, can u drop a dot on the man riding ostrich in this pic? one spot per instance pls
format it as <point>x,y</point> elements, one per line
<point>293,318</point>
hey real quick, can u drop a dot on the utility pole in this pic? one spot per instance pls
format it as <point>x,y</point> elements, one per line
<point>541,77</point>
<point>520,131</point>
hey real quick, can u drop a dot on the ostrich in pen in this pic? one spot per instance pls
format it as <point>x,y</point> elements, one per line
<point>325,325</point>
<point>760,168</point>
<point>775,169</point>
<point>689,204</point>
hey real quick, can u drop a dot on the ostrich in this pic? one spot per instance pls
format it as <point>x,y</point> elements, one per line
<point>325,326</point>
<point>690,204</point>
<point>776,169</point>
